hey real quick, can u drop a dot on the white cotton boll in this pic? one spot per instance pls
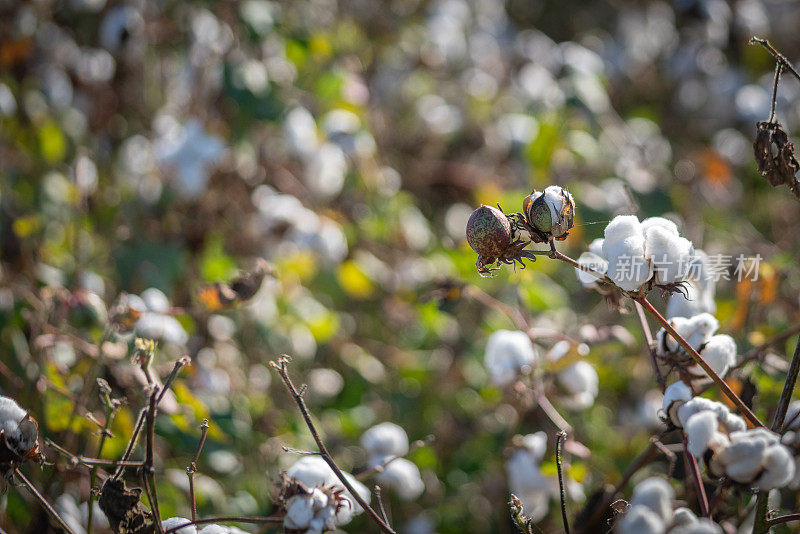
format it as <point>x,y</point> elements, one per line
<point>10,411</point>
<point>700,329</point>
<point>655,493</point>
<point>700,429</point>
<point>300,131</point>
<point>669,254</point>
<point>694,302</point>
<point>683,516</point>
<point>220,529</point>
<point>620,228</point>
<point>581,381</point>
<point>694,406</point>
<point>403,477</point>
<point>172,522</point>
<point>535,444</point>
<point>595,263</point>
<point>385,439</point>
<point>627,266</point>
<point>596,247</point>
<point>155,300</point>
<point>509,353</point>
<point>677,391</point>
<point>719,353</point>
<point>299,512</point>
<point>526,481</point>
<point>666,343</point>
<point>659,222</point>
<point>326,170</point>
<point>778,468</point>
<point>700,526</point>
<point>640,520</point>
<point>743,458</point>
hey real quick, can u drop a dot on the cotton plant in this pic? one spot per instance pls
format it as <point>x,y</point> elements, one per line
<point>718,350</point>
<point>385,445</point>
<point>529,483</point>
<point>651,510</point>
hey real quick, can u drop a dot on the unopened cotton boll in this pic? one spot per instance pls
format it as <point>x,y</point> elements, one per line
<point>640,520</point>
<point>172,522</point>
<point>403,477</point>
<point>509,353</point>
<point>656,494</point>
<point>385,439</point>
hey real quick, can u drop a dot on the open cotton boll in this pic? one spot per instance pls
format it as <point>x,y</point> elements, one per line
<point>172,522</point>
<point>669,255</point>
<point>221,529</point>
<point>700,329</point>
<point>702,525</point>
<point>385,439</point>
<point>595,263</point>
<point>640,520</point>
<point>596,246</point>
<point>312,471</point>
<point>526,481</point>
<point>627,266</point>
<point>10,414</point>
<point>509,353</point>
<point>694,302</point>
<point>779,468</point>
<point>719,353</point>
<point>700,429</point>
<point>581,381</point>
<point>403,477</point>
<point>661,223</point>
<point>620,228</point>
<point>731,422</point>
<point>656,494</point>
<point>743,458</point>
<point>313,512</point>
<point>535,445</point>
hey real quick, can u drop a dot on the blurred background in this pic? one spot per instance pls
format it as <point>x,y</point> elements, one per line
<point>153,148</point>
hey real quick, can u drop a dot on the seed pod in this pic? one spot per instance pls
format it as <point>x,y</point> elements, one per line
<point>488,232</point>
<point>549,213</point>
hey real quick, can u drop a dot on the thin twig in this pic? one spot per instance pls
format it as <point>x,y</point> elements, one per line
<point>282,368</point>
<point>726,390</point>
<point>788,518</point>
<point>562,493</point>
<point>148,471</point>
<point>111,408</point>
<point>550,411</point>
<point>89,462</point>
<point>648,335</point>
<point>778,69</point>
<point>192,469</point>
<point>45,504</point>
<point>788,389</point>
<point>780,58</point>
<point>381,508</point>
<point>691,461</point>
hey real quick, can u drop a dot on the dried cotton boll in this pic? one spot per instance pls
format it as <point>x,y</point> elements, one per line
<point>403,477</point>
<point>385,439</point>
<point>172,522</point>
<point>640,520</point>
<point>509,354</point>
<point>656,494</point>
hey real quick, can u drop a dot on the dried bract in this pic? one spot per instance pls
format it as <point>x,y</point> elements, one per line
<point>775,157</point>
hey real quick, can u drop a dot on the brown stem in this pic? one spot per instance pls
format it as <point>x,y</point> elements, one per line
<point>45,504</point>
<point>561,492</point>
<point>648,335</point>
<point>788,518</point>
<point>148,471</point>
<point>192,469</point>
<point>780,58</point>
<point>282,367</point>
<point>691,461</point>
<point>788,389</point>
<point>726,390</point>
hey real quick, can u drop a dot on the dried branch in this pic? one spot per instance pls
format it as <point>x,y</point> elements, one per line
<point>282,367</point>
<point>192,469</point>
<point>45,504</point>
<point>561,492</point>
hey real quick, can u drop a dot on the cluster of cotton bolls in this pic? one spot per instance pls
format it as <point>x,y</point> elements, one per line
<point>385,445</point>
<point>529,483</point>
<point>172,522</point>
<point>754,457</point>
<point>718,350</point>
<point>310,513</point>
<point>634,253</point>
<point>651,511</point>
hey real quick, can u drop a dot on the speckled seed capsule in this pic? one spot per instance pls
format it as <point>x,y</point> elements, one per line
<point>488,232</point>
